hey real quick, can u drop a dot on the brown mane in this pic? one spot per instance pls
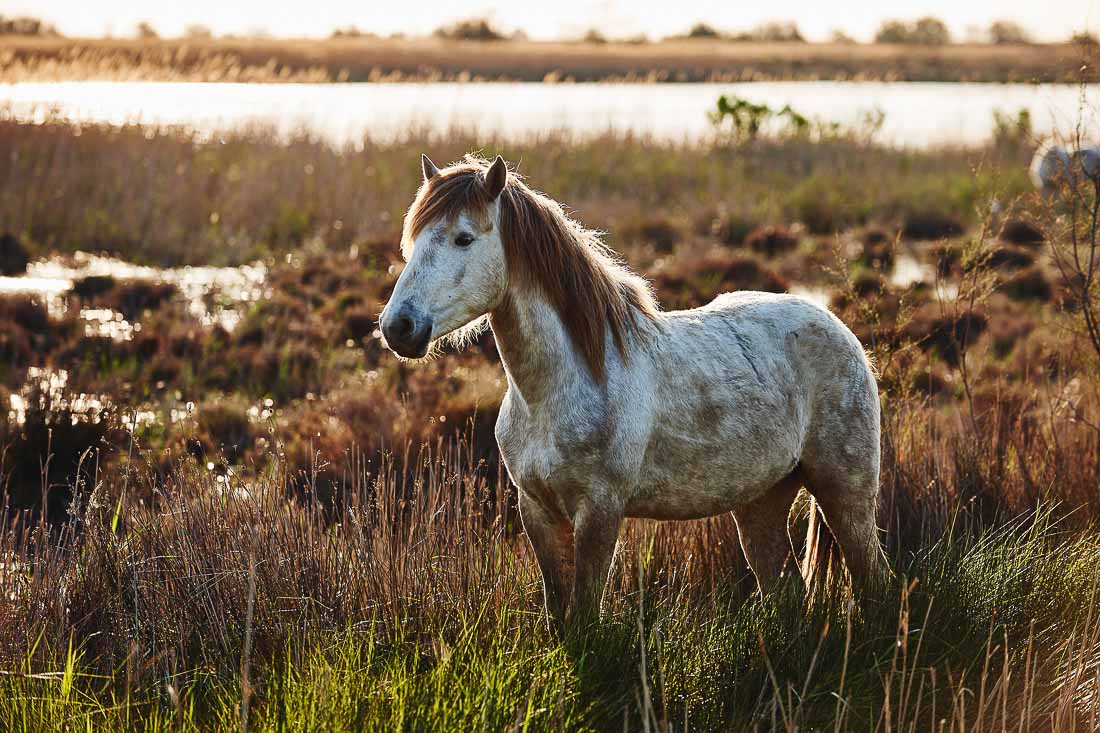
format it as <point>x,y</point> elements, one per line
<point>546,250</point>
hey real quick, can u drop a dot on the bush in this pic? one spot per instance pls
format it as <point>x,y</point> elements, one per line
<point>26,27</point>
<point>931,225</point>
<point>473,29</point>
<point>1028,284</point>
<point>1019,231</point>
<point>133,297</point>
<point>691,284</point>
<point>924,32</point>
<point>660,233</point>
<point>1008,32</point>
<point>227,428</point>
<point>93,285</point>
<point>770,241</point>
<point>146,31</point>
<point>878,249</point>
<point>823,206</point>
<point>729,228</point>
<point>702,30</point>
<point>778,32</point>
<point>14,257</point>
<point>1081,38</point>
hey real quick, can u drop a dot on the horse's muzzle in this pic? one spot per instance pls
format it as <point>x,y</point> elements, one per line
<point>407,332</point>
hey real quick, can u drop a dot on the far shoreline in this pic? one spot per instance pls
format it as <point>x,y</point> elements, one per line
<point>37,59</point>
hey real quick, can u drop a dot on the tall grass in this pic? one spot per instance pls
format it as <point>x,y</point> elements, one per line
<point>418,607</point>
<point>167,197</point>
<point>352,561</point>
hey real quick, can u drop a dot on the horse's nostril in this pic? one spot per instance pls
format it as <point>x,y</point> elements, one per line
<point>402,327</point>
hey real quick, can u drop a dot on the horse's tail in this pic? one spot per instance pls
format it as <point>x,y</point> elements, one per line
<point>818,545</point>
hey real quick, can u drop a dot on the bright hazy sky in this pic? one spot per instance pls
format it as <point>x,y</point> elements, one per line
<point>1046,20</point>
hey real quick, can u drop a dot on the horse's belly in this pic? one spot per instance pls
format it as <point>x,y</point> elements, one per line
<point>691,479</point>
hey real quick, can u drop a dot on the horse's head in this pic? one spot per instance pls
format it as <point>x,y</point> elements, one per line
<point>456,270</point>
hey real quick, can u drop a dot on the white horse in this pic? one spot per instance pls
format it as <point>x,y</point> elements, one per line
<point>1053,165</point>
<point>615,409</point>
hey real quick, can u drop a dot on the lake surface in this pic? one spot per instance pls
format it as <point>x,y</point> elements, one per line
<point>916,114</point>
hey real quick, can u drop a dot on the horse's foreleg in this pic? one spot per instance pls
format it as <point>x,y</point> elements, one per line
<point>595,535</point>
<point>551,537</point>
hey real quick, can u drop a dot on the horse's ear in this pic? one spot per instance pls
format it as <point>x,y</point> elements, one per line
<point>428,167</point>
<point>496,177</point>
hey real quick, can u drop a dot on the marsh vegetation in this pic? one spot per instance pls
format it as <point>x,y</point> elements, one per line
<point>261,518</point>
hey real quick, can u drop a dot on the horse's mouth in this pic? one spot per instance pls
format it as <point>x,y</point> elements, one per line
<point>417,350</point>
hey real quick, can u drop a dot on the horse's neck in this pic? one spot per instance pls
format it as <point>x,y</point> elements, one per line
<point>538,355</point>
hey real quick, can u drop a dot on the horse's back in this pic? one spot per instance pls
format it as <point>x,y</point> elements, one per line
<point>796,337</point>
<point>748,384</point>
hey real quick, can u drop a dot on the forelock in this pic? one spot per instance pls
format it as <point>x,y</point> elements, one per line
<point>453,191</point>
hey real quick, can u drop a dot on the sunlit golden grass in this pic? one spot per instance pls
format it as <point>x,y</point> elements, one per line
<point>313,535</point>
<point>165,196</point>
<point>375,59</point>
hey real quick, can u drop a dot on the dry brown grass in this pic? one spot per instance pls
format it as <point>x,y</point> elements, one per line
<point>373,59</point>
<point>353,559</point>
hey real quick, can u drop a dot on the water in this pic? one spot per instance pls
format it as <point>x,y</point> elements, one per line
<point>214,295</point>
<point>916,114</point>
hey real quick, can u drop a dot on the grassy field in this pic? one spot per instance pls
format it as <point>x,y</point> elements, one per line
<point>303,533</point>
<point>375,59</point>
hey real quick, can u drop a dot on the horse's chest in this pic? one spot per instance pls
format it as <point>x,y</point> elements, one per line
<point>550,454</point>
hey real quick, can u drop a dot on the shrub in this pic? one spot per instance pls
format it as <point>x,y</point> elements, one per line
<point>1008,32</point>
<point>770,240</point>
<point>728,228</point>
<point>133,297</point>
<point>823,206</point>
<point>25,312</point>
<point>1019,231</point>
<point>779,32</point>
<point>14,257</point>
<point>26,27</point>
<point>1013,131</point>
<point>660,233</point>
<point>1009,257</point>
<point>93,285</point>
<point>146,31</point>
<point>877,249</point>
<point>931,224</point>
<point>945,334</point>
<point>702,30</point>
<point>925,31</point>
<point>225,424</point>
<point>473,29</point>
<point>1028,284</point>
<point>693,283</point>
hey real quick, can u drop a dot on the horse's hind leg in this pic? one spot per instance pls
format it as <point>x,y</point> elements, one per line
<point>762,527</point>
<point>848,500</point>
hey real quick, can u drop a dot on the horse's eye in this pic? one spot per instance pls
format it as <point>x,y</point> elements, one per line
<point>464,239</point>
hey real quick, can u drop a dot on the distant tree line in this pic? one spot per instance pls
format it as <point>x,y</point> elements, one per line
<point>26,27</point>
<point>476,29</point>
<point>927,31</point>
<point>923,32</point>
<point>777,31</point>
